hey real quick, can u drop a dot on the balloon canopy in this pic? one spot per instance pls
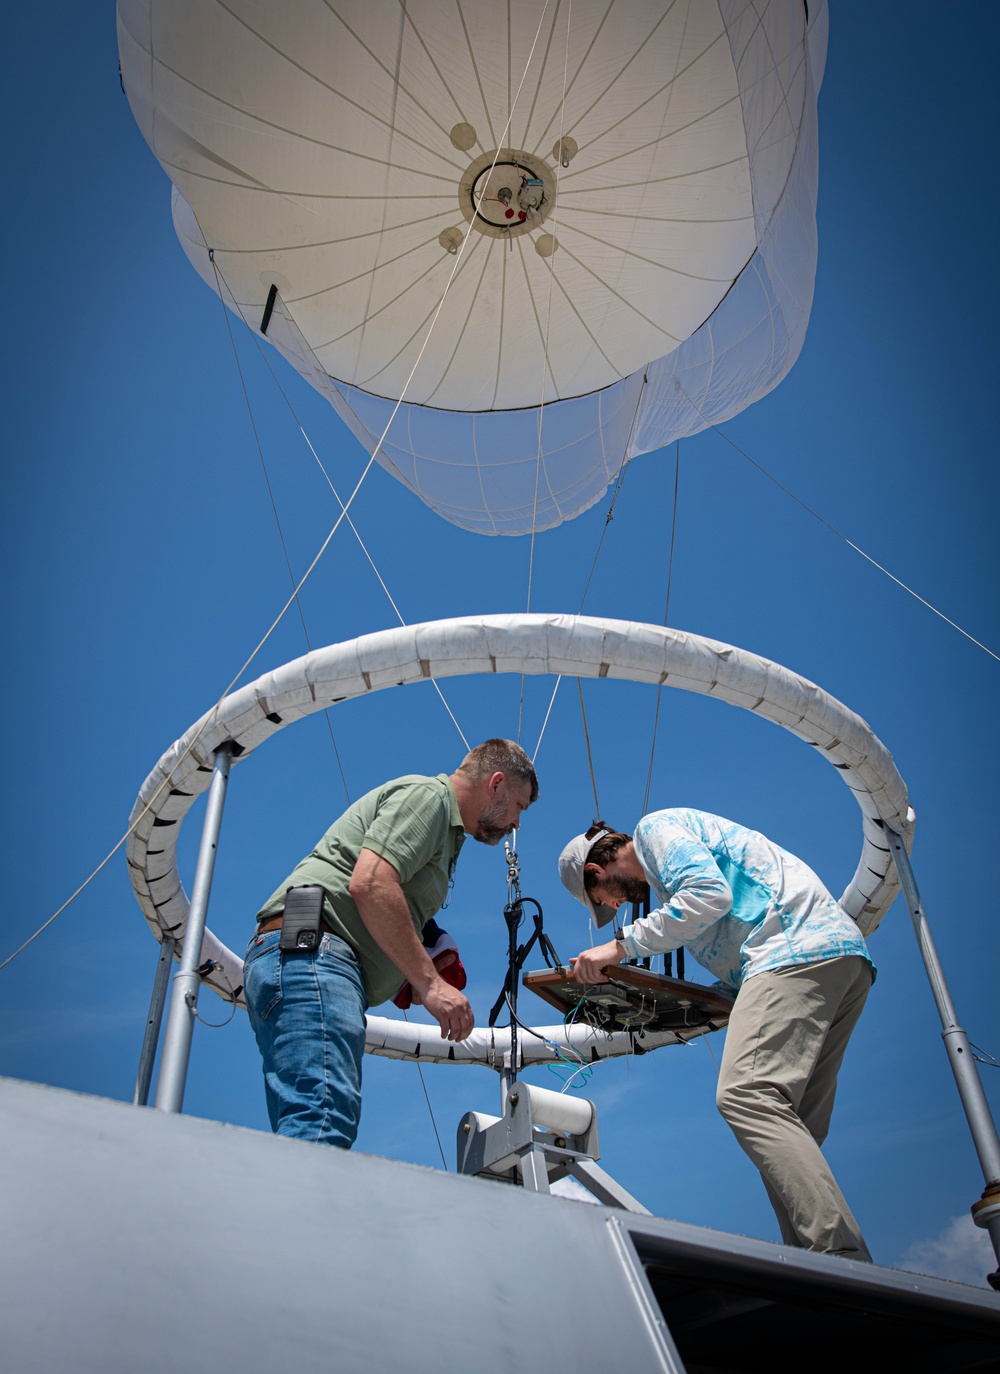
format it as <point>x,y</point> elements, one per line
<point>614,201</point>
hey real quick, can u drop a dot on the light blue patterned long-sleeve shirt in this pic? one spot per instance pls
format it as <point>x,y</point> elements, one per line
<point>739,903</point>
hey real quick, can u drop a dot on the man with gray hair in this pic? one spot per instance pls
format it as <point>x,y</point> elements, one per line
<point>343,932</point>
<point>764,924</point>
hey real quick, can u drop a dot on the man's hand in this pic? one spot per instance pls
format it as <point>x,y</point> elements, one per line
<point>450,1009</point>
<point>589,966</point>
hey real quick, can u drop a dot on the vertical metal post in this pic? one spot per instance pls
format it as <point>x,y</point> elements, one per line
<point>986,1212</point>
<point>187,981</point>
<point>147,1056</point>
<point>533,1170</point>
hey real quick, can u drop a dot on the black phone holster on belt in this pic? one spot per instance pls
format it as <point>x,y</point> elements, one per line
<point>302,919</point>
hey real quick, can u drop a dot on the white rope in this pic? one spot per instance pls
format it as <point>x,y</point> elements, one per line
<point>399,402</point>
<point>333,489</point>
<point>548,312</point>
<point>849,542</point>
<point>124,840</point>
<point>220,281</point>
<point>345,507</point>
<point>548,713</point>
<point>545,367</point>
<point>666,621</point>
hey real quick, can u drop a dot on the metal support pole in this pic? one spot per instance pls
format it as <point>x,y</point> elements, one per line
<point>187,980</point>
<point>534,1174</point>
<point>986,1212</point>
<point>149,1042</point>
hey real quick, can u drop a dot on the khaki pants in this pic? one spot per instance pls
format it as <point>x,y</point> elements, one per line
<point>784,1046</point>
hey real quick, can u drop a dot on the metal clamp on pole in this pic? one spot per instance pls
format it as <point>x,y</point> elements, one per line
<point>985,1212</point>
<point>187,980</point>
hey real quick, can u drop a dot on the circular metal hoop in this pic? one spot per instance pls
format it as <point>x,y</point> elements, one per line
<point>578,646</point>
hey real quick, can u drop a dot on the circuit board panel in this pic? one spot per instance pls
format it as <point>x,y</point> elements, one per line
<point>633,999</point>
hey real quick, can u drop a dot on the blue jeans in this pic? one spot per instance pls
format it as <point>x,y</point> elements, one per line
<point>307,1010</point>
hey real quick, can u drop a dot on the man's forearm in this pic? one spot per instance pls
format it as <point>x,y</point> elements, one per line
<point>376,891</point>
<point>387,919</point>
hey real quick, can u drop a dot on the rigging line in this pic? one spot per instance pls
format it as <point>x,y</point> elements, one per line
<point>594,36</point>
<point>984,1056</point>
<point>517,97</point>
<point>274,508</point>
<point>210,717</point>
<point>545,368</point>
<point>167,781</point>
<point>329,481</point>
<point>112,852</point>
<point>666,621</point>
<point>444,703</point>
<point>395,410</point>
<point>548,319</point>
<point>350,500</point>
<point>619,480</point>
<point>427,1099</point>
<point>673,522</point>
<point>619,483</point>
<point>485,182</point>
<point>540,79</point>
<point>387,170</point>
<point>545,722</point>
<point>850,543</point>
<point>607,521</point>
<point>86,883</point>
<point>590,756</point>
<point>301,583</point>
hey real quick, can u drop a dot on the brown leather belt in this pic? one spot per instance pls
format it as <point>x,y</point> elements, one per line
<point>272,923</point>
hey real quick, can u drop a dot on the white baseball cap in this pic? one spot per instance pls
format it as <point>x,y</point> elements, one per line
<point>572,862</point>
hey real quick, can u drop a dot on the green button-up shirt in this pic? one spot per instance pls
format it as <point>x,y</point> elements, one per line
<point>413,823</point>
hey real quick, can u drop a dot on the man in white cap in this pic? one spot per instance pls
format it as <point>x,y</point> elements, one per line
<point>762,922</point>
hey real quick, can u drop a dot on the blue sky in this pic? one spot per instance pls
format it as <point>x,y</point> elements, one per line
<point>142,565</point>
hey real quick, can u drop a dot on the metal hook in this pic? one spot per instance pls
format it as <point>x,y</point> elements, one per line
<point>513,872</point>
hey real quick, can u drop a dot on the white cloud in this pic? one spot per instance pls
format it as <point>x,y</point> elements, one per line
<point>962,1253</point>
<point>570,1187</point>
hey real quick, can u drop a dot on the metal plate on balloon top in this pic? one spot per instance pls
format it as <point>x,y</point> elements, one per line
<point>633,999</point>
<point>505,193</point>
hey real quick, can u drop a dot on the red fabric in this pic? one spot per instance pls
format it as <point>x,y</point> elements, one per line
<point>451,969</point>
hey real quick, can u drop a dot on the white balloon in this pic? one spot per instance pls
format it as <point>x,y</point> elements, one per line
<point>616,207</point>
